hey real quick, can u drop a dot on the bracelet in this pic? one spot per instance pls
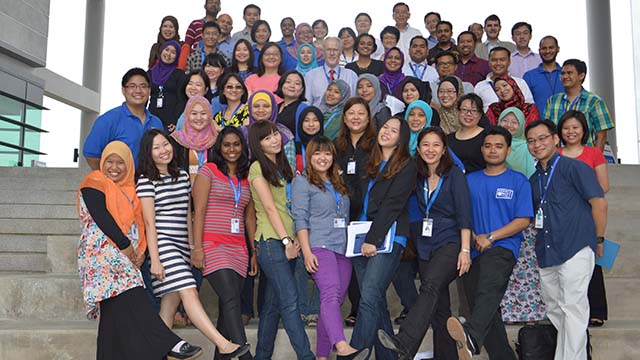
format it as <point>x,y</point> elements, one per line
<point>465,251</point>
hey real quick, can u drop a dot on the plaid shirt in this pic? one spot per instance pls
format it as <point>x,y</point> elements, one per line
<point>593,107</point>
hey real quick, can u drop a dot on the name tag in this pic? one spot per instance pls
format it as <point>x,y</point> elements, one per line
<point>193,169</point>
<point>502,193</point>
<point>539,219</point>
<point>427,227</point>
<point>159,102</point>
<point>339,223</point>
<point>351,168</point>
<point>235,225</point>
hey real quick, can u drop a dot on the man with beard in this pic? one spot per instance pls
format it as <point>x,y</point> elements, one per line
<point>194,31</point>
<point>544,80</point>
<point>417,65</point>
<point>444,31</point>
<point>470,68</point>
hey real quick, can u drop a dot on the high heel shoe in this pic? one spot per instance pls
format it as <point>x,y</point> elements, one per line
<point>358,355</point>
<point>243,349</point>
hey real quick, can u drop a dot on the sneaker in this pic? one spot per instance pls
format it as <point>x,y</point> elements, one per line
<point>186,352</point>
<point>463,341</point>
<point>312,320</point>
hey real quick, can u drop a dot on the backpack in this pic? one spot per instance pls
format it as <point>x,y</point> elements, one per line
<point>538,342</point>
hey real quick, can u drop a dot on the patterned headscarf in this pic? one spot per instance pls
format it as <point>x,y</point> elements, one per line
<point>191,138</point>
<point>449,121</point>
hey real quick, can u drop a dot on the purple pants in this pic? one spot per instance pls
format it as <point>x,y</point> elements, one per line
<point>332,279</point>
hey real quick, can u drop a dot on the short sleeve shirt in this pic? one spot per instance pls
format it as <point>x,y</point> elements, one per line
<point>264,228</point>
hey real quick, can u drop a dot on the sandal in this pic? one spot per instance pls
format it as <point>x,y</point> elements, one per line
<point>595,322</point>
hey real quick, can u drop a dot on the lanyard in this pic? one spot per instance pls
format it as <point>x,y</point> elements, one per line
<point>555,80</point>
<point>429,200</point>
<point>543,192</point>
<point>415,67</point>
<point>326,124</point>
<point>202,157</point>
<point>337,74</point>
<point>237,192</point>
<point>304,155</point>
<point>129,200</point>
<point>224,121</point>
<point>344,56</point>
<point>365,205</point>
<point>336,195</point>
<point>572,105</point>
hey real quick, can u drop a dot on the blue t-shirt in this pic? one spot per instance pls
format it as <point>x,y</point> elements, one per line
<point>119,124</point>
<point>496,201</point>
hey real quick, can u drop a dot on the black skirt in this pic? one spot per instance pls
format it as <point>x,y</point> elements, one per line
<point>130,329</point>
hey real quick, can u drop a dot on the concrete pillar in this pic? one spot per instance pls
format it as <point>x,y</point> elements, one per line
<point>92,65</point>
<point>635,29</point>
<point>600,64</point>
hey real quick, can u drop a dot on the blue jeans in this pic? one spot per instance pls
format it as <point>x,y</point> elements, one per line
<point>374,276</point>
<point>309,305</point>
<point>281,301</point>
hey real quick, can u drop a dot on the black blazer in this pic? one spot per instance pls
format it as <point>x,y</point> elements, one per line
<point>388,202</point>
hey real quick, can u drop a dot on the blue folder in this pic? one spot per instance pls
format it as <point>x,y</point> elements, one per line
<point>609,256</point>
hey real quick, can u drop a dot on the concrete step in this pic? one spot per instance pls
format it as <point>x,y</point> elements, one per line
<point>24,211</point>
<point>26,262</point>
<point>13,172</point>
<point>39,226</point>
<point>44,340</point>
<point>623,175</point>
<point>50,197</point>
<point>62,253</point>
<point>622,298</point>
<point>23,243</point>
<point>69,182</point>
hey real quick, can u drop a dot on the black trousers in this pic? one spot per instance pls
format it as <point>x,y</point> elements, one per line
<point>130,329</point>
<point>433,306</point>
<point>228,285</point>
<point>485,285</point>
<point>597,295</point>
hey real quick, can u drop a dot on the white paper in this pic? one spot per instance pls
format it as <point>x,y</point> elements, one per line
<point>356,232</point>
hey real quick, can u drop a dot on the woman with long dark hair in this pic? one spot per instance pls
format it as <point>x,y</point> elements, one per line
<point>243,59</point>
<point>223,213</point>
<point>443,240</point>
<point>163,190</point>
<point>390,179</point>
<point>320,209</point>
<point>269,178</point>
<point>270,68</point>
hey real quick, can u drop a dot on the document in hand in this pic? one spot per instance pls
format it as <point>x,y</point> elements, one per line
<point>610,252</point>
<point>357,231</point>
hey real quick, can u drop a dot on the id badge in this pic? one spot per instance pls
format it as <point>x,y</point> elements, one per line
<point>427,227</point>
<point>159,102</point>
<point>351,168</point>
<point>235,225</point>
<point>193,169</point>
<point>539,221</point>
<point>339,223</point>
<point>134,232</point>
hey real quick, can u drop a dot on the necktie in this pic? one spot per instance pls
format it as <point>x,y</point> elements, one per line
<point>331,73</point>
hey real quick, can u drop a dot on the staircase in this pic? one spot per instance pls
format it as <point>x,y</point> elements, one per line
<point>41,309</point>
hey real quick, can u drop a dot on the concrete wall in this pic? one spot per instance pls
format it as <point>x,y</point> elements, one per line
<point>24,27</point>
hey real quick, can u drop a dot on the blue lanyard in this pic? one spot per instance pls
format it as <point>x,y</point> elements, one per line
<point>572,105</point>
<point>365,205</point>
<point>224,122</point>
<point>330,119</point>
<point>344,56</point>
<point>336,195</point>
<point>429,200</point>
<point>202,157</point>
<point>414,67</point>
<point>326,73</point>
<point>288,191</point>
<point>237,192</point>
<point>304,155</point>
<point>546,187</point>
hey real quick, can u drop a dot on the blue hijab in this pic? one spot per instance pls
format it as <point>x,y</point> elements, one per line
<point>428,112</point>
<point>304,68</point>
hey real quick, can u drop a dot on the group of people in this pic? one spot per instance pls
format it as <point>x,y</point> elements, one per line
<point>234,156</point>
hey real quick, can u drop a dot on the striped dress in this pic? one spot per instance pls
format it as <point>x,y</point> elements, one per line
<point>222,248</point>
<point>171,201</point>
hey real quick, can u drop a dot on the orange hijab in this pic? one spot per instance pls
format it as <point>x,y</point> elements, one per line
<point>122,202</point>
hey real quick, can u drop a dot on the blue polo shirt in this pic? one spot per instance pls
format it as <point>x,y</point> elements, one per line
<point>118,124</point>
<point>543,84</point>
<point>495,202</point>
<point>568,221</point>
<point>451,212</point>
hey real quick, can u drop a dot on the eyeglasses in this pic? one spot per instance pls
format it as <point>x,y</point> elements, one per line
<point>272,54</point>
<point>210,33</point>
<point>137,86</point>
<point>446,63</point>
<point>331,50</point>
<point>233,87</point>
<point>539,139</point>
<point>447,91</point>
<point>469,111</point>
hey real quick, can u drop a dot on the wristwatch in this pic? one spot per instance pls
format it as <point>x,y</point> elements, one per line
<point>286,240</point>
<point>490,237</point>
<point>600,239</point>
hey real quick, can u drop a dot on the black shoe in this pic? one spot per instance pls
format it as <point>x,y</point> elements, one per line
<point>464,345</point>
<point>400,318</point>
<point>358,355</point>
<point>186,352</point>
<point>392,343</point>
<point>243,349</point>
